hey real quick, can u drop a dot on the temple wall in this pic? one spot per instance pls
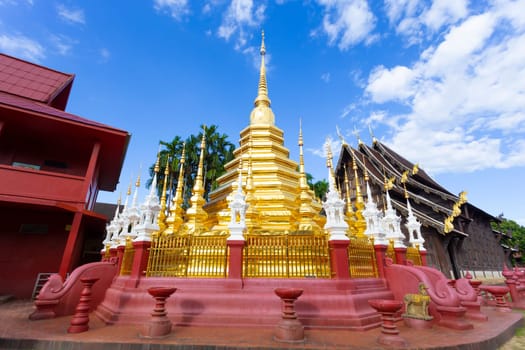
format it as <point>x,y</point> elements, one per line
<point>481,252</point>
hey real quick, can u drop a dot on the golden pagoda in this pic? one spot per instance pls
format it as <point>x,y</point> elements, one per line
<point>278,198</point>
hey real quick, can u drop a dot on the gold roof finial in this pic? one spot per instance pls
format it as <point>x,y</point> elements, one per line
<point>129,189</point>
<point>262,112</point>
<point>137,183</point>
<point>156,169</point>
<point>262,96</point>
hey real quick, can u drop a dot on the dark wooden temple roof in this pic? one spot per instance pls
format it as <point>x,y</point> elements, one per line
<point>431,202</point>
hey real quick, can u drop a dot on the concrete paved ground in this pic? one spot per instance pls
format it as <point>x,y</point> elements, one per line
<point>18,332</point>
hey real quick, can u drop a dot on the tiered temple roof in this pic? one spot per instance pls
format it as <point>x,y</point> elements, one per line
<point>434,205</point>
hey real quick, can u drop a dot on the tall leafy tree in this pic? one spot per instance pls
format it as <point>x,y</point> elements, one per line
<point>218,152</point>
<point>514,231</point>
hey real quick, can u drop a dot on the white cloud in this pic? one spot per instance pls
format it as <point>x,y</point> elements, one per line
<point>465,95</point>
<point>391,84</point>
<point>75,16</point>
<point>175,8</point>
<point>239,18</point>
<point>347,23</point>
<point>21,46</point>
<point>414,18</point>
<point>62,44</point>
<point>325,77</point>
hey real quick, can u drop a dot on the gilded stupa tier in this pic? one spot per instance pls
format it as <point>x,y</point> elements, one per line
<point>275,197</point>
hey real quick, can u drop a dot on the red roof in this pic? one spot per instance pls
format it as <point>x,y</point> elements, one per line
<point>32,106</point>
<point>31,81</point>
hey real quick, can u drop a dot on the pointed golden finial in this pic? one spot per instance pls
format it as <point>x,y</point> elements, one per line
<point>174,220</point>
<point>262,95</point>
<point>359,196</point>
<point>162,212</point>
<point>302,179</point>
<point>406,192</point>
<point>349,209</point>
<point>137,183</point>
<point>156,169</point>
<point>198,187</point>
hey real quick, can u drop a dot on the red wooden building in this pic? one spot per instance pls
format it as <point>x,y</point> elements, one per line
<point>52,165</point>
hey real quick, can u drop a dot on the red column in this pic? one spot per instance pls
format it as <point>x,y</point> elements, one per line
<point>339,259</point>
<point>67,257</point>
<point>235,258</point>
<point>380,258</point>
<point>401,254</point>
<point>90,172</point>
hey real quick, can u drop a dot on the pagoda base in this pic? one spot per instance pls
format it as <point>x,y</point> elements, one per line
<point>325,303</point>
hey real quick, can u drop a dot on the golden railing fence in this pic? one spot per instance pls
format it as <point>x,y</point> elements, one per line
<point>286,255</point>
<point>127,258</point>
<point>187,256</point>
<point>362,257</point>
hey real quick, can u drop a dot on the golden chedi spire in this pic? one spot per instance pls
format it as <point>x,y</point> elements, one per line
<point>196,216</point>
<point>350,214</point>
<point>262,113</point>
<point>274,204</point>
<point>308,209</point>
<point>174,220</point>
<point>162,212</point>
<point>360,224</point>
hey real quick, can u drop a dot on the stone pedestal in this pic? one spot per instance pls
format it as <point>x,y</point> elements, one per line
<point>499,293</point>
<point>159,325</point>
<point>80,320</point>
<point>289,329</point>
<point>389,332</point>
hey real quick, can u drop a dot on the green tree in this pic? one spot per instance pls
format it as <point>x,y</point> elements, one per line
<point>218,152</point>
<point>513,230</point>
<point>320,188</point>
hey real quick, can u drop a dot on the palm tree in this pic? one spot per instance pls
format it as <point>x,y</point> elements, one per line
<point>218,152</point>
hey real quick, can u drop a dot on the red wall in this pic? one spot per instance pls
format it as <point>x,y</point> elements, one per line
<point>24,255</point>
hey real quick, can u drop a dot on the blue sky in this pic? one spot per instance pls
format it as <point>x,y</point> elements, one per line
<point>441,82</point>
